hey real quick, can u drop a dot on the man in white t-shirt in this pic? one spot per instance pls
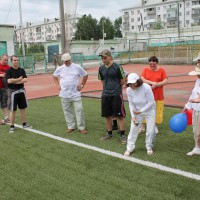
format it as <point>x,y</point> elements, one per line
<point>67,78</point>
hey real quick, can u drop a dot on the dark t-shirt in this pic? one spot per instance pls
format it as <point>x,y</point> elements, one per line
<point>111,77</point>
<point>15,73</point>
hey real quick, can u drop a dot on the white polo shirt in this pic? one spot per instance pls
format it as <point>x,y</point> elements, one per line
<point>69,79</point>
<point>194,95</point>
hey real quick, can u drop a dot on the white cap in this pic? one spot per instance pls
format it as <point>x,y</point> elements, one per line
<point>132,78</point>
<point>66,57</point>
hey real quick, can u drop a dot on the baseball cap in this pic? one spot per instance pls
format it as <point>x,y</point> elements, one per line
<point>66,57</point>
<point>132,78</point>
<point>105,52</point>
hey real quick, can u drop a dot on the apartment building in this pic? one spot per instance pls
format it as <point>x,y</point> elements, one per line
<point>149,14</point>
<point>46,30</point>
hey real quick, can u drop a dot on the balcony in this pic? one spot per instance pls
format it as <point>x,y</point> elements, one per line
<point>170,19</point>
<point>195,24</point>
<point>196,15</point>
<point>151,12</point>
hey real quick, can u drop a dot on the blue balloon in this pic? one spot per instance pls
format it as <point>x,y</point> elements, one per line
<point>178,123</point>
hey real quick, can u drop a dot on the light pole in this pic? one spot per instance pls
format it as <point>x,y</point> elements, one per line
<point>62,20</point>
<point>21,26</point>
<point>104,34</point>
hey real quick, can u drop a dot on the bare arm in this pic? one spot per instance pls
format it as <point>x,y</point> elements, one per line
<point>84,80</point>
<point>155,84</point>
<point>57,82</point>
<point>17,80</point>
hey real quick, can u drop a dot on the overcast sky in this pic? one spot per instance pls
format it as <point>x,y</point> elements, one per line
<point>37,10</point>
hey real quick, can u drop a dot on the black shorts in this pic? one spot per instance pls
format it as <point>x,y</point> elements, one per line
<point>3,97</point>
<point>112,106</point>
<point>16,98</point>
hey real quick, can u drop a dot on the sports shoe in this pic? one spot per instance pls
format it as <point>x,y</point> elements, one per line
<point>114,128</point>
<point>6,120</point>
<point>12,129</point>
<point>195,151</point>
<point>70,130</point>
<point>123,139</point>
<point>83,131</point>
<point>2,122</point>
<point>156,130</point>
<point>107,137</point>
<point>149,152</point>
<point>27,126</point>
<point>127,153</point>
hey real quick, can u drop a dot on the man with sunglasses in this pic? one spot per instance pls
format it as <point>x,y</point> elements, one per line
<point>112,105</point>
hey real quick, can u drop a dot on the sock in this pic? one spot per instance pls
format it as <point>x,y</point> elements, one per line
<point>109,132</point>
<point>122,133</point>
<point>12,126</point>
<point>24,124</point>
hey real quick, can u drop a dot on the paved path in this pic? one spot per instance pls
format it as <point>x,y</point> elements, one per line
<point>177,91</point>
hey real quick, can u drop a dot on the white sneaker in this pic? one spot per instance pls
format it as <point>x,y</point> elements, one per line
<point>156,130</point>
<point>195,151</point>
<point>11,130</point>
<point>149,152</point>
<point>127,153</point>
<point>27,126</point>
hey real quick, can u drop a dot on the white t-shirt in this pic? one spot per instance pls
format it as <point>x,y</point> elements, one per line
<point>140,99</point>
<point>195,94</point>
<point>69,79</point>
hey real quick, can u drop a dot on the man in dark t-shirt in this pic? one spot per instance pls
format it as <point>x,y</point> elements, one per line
<point>112,104</point>
<point>16,77</point>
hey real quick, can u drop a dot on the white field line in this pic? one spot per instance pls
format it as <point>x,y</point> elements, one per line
<point>118,155</point>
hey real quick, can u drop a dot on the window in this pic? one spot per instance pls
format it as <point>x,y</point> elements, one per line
<point>138,19</point>
<point>132,19</point>
<point>158,8</point>
<point>132,12</point>
<point>188,4</point>
<point>138,11</point>
<point>188,13</point>
<point>187,22</point>
<point>132,27</point>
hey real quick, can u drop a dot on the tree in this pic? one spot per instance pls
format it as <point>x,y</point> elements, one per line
<point>158,25</point>
<point>117,26</point>
<point>107,26</point>
<point>86,28</point>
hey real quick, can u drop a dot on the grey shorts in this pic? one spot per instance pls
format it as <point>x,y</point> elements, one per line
<point>3,97</point>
